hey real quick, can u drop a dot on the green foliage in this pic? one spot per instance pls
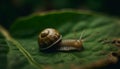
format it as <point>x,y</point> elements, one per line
<point>69,24</point>
<point>4,49</point>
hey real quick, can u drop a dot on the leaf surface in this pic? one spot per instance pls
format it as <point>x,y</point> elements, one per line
<point>70,24</point>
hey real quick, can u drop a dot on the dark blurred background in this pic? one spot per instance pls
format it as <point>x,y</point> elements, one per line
<point>13,9</point>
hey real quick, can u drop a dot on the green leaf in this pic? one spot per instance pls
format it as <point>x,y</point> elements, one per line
<point>4,49</point>
<point>70,24</point>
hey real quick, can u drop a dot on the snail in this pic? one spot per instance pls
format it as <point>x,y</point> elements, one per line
<point>50,40</point>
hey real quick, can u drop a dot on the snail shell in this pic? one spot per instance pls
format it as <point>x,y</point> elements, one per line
<point>49,38</point>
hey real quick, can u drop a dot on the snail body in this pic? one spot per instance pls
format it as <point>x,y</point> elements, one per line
<point>70,44</point>
<point>50,40</point>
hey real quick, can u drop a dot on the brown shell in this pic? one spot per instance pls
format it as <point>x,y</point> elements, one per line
<point>48,38</point>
